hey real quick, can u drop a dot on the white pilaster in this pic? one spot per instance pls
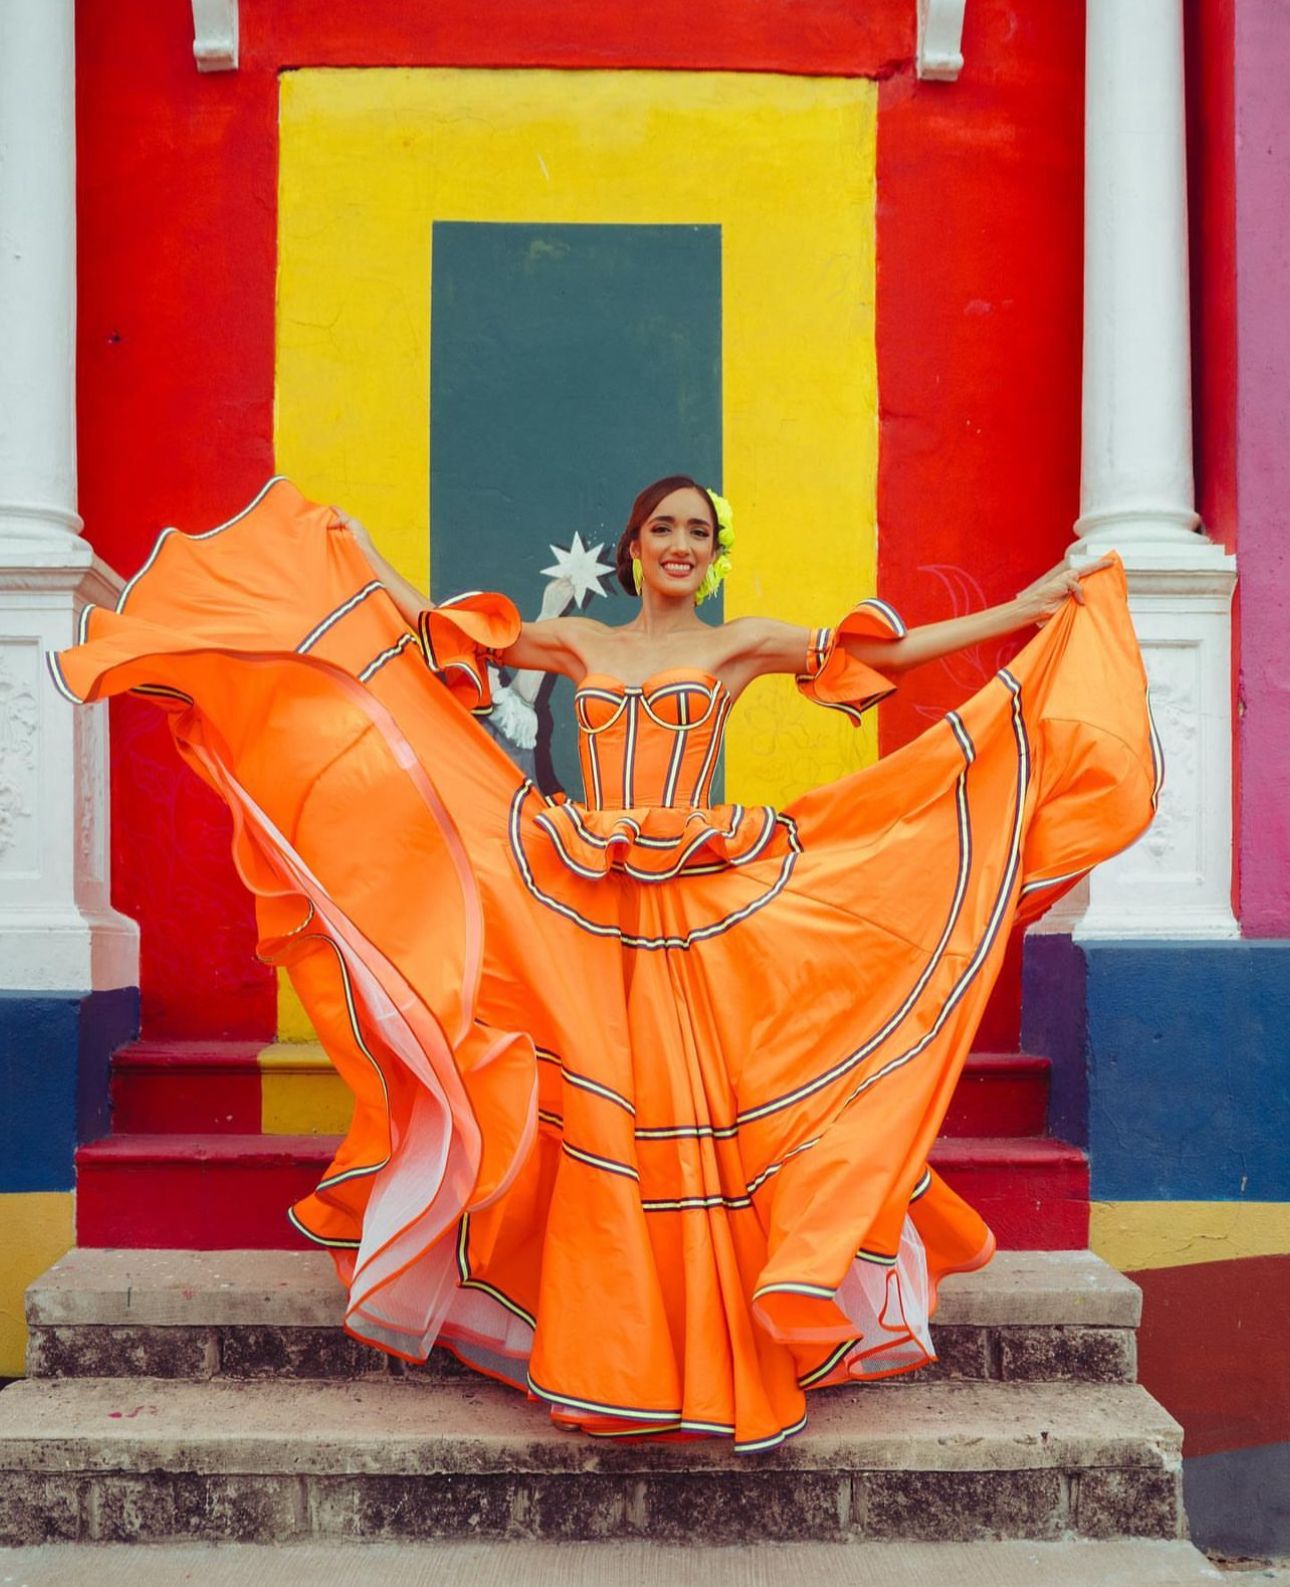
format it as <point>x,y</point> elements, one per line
<point>57,930</point>
<point>1136,476</point>
<point>1137,492</point>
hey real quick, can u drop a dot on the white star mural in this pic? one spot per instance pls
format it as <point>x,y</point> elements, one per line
<point>581,566</point>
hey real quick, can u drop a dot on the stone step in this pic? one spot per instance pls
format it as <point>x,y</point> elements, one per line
<point>1076,1562</point>
<point>220,1191</point>
<point>1038,1315</point>
<point>229,1087</point>
<point>147,1460</point>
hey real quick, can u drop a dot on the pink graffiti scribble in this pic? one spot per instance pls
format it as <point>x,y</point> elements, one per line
<point>967,670</point>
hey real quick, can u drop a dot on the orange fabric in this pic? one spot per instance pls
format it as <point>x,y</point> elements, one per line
<point>645,1088</point>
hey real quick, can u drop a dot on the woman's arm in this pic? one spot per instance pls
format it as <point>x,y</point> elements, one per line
<point>1035,604</point>
<point>409,600</point>
<point>549,645</point>
<point>781,647</point>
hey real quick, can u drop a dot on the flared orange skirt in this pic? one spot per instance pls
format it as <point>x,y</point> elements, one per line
<point>655,1153</point>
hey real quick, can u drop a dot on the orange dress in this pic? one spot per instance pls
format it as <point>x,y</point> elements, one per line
<point>644,1087</point>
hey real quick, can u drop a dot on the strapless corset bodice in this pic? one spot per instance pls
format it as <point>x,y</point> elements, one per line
<point>654,743</point>
<point>648,754</point>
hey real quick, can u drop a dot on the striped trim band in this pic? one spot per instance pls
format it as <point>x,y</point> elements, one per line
<point>332,618</point>
<point>895,1020</point>
<point>607,1164</point>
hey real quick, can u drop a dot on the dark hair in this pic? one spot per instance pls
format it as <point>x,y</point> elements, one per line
<point>642,507</point>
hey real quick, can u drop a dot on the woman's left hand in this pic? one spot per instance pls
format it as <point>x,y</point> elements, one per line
<point>1047,595</point>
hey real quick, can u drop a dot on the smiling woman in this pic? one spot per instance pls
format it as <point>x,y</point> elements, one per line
<point>670,538</point>
<point>649,1057</point>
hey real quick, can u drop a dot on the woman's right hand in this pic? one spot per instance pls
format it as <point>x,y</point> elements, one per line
<point>355,528</point>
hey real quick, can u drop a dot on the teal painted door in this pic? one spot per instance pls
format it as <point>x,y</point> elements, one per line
<point>570,366</point>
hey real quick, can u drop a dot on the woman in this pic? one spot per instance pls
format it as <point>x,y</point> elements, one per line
<point>645,1087</point>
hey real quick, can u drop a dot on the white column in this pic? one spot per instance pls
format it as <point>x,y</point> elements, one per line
<point>57,930</point>
<point>1136,483</point>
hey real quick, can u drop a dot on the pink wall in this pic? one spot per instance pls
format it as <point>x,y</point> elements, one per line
<point>1262,169</point>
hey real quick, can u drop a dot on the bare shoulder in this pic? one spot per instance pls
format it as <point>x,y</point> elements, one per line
<point>749,629</point>
<point>757,645</point>
<point>554,644</point>
<point>766,637</point>
<point>565,631</point>
<point>591,625</point>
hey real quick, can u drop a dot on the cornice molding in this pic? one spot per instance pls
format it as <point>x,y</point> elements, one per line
<point>940,39</point>
<point>215,35</point>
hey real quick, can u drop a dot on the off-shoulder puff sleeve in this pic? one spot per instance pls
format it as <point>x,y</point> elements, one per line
<point>459,637</point>
<point>835,678</point>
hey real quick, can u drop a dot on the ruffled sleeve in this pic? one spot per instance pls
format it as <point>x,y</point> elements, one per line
<point>459,637</point>
<point>835,678</point>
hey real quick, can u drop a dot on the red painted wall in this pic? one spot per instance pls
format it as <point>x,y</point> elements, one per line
<point>1212,1348</point>
<point>980,304</point>
<point>176,196</point>
<point>978,316</point>
<point>1211,201</point>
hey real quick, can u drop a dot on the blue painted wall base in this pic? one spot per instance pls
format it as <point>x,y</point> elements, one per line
<point>55,1053</point>
<point>1238,1502</point>
<point>1054,1025</point>
<point>1171,1063</point>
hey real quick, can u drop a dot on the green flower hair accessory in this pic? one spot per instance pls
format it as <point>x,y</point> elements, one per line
<point>721,564</point>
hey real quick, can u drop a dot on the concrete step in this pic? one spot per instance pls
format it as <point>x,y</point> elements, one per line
<point>1029,1315</point>
<point>200,1088</point>
<point>1074,1563</point>
<point>117,1460</point>
<point>218,1191</point>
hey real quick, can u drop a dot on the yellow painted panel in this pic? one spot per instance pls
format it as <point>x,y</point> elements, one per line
<point>39,1227</point>
<point>301,1093</point>
<point>294,1025</point>
<point>1132,1235</point>
<point>370,158</point>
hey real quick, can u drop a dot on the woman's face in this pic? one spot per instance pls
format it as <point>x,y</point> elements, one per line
<point>676,543</point>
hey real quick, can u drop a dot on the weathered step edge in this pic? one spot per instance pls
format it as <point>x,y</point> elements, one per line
<point>180,1314</point>
<point>299,1289</point>
<point>85,1461</point>
<point>1054,1354</point>
<point>1077,1562</point>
